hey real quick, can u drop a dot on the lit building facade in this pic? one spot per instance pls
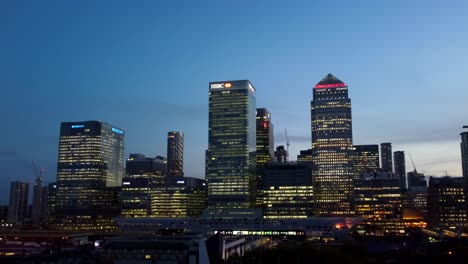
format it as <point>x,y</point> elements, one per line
<point>332,144</point>
<point>305,156</point>
<point>446,203</point>
<point>179,197</point>
<point>365,159</point>
<point>417,191</point>
<point>90,165</point>
<point>51,202</point>
<point>143,176</point>
<point>265,148</point>
<point>378,199</point>
<point>386,156</point>
<point>18,205</point>
<point>231,155</point>
<point>175,154</point>
<point>287,190</point>
<point>400,168</point>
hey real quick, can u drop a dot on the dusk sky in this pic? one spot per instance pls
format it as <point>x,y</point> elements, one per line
<point>144,66</point>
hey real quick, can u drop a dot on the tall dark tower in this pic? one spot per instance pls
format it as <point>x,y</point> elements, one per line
<point>464,158</point>
<point>175,154</point>
<point>265,148</point>
<point>90,166</point>
<point>265,144</point>
<point>18,205</point>
<point>386,156</point>
<point>231,158</point>
<point>400,168</point>
<point>332,145</point>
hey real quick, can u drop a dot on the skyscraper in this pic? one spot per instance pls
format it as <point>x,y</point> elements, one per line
<point>400,168</point>
<point>39,203</point>
<point>18,206</point>
<point>365,159</point>
<point>386,156</point>
<point>332,144</point>
<point>265,144</point>
<point>231,156</point>
<point>90,162</point>
<point>464,158</point>
<point>175,154</point>
<point>265,148</point>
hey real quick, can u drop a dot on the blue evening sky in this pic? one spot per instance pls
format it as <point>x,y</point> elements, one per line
<point>145,66</point>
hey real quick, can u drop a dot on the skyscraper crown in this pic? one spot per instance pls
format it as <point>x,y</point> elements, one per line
<point>330,81</point>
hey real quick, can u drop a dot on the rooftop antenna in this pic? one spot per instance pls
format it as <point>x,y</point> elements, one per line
<point>287,140</point>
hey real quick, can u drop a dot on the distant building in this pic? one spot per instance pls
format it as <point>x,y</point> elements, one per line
<point>305,156</point>
<point>231,159</point>
<point>265,148</point>
<point>400,168</point>
<point>51,202</point>
<point>464,158</point>
<point>18,206</point>
<point>3,214</point>
<point>446,203</point>
<point>365,159</point>
<point>378,200</point>
<point>39,203</point>
<point>179,197</point>
<point>143,175</point>
<point>386,156</point>
<point>175,154</point>
<point>332,144</point>
<point>281,154</point>
<point>90,163</point>
<point>265,139</point>
<point>417,191</point>
<point>287,190</point>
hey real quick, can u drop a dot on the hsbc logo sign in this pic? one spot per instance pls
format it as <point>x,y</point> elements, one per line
<point>220,85</point>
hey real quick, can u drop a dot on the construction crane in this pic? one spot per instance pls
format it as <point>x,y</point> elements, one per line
<point>414,166</point>
<point>287,140</point>
<point>38,172</point>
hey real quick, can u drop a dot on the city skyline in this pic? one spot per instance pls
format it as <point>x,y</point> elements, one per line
<point>71,63</point>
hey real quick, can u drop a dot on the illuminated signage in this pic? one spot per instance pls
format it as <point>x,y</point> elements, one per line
<point>118,131</point>
<point>77,126</point>
<point>180,182</point>
<point>220,85</point>
<point>125,183</point>
<point>333,85</point>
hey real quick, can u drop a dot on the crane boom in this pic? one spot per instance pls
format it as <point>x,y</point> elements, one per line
<point>414,166</point>
<point>287,140</point>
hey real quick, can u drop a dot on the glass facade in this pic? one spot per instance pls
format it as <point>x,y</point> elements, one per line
<point>400,167</point>
<point>365,159</point>
<point>332,145</point>
<point>18,205</point>
<point>231,155</point>
<point>143,176</point>
<point>175,154</point>
<point>446,203</point>
<point>386,156</point>
<point>90,162</point>
<point>180,197</point>
<point>265,148</point>
<point>287,190</point>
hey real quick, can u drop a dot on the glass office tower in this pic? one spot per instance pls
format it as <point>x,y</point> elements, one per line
<point>175,154</point>
<point>332,144</point>
<point>231,155</point>
<point>90,162</point>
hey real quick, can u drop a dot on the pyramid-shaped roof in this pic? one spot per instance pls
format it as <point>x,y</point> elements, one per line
<point>330,81</point>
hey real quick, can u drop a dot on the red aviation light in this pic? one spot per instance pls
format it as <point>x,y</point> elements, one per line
<point>333,85</point>
<point>227,85</point>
